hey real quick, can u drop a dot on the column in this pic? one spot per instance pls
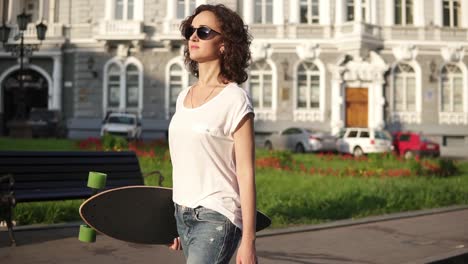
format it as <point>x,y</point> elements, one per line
<point>358,11</point>
<point>123,88</point>
<point>57,83</point>
<point>374,19</point>
<point>40,14</point>
<point>248,11</point>
<point>139,7</point>
<point>419,19</point>
<point>200,2</point>
<point>437,13</point>
<point>171,9</point>
<point>11,11</point>
<point>340,12</point>
<point>324,12</point>
<point>464,14</point>
<point>379,103</point>
<point>294,12</point>
<point>389,13</point>
<point>51,12</point>
<point>109,8</point>
<point>336,121</point>
<point>278,13</point>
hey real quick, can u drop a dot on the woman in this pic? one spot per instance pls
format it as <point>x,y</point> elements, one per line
<point>211,142</point>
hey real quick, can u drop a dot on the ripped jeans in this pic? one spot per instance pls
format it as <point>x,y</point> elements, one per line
<point>206,235</point>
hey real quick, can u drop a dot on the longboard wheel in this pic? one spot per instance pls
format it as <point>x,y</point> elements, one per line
<point>96,180</point>
<point>87,234</point>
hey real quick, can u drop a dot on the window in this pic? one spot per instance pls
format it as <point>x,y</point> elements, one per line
<point>179,78</point>
<point>113,85</point>
<point>132,79</point>
<point>364,134</point>
<point>452,89</point>
<point>404,88</point>
<point>263,11</point>
<point>309,11</point>
<point>308,86</point>
<point>352,134</point>
<point>185,8</point>
<point>349,10</point>
<point>123,84</point>
<point>404,12</point>
<point>451,15</point>
<point>261,84</point>
<point>124,9</point>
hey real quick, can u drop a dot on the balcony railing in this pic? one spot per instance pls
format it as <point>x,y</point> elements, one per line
<point>54,31</point>
<point>453,118</point>
<point>120,30</point>
<point>406,117</point>
<point>425,33</point>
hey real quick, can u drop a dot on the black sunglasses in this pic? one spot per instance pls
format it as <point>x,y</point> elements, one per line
<point>203,32</point>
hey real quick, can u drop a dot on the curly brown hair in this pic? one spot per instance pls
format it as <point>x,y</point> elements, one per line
<point>236,56</point>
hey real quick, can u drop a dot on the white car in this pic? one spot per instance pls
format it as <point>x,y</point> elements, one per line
<point>122,124</point>
<point>300,140</point>
<point>359,141</point>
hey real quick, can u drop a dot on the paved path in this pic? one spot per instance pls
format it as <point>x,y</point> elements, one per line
<point>401,238</point>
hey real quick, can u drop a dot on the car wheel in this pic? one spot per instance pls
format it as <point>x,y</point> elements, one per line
<point>268,145</point>
<point>299,148</point>
<point>409,155</point>
<point>357,152</point>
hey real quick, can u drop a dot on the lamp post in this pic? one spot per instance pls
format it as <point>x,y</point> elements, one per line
<point>21,51</point>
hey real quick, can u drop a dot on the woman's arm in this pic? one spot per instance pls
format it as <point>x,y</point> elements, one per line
<point>245,167</point>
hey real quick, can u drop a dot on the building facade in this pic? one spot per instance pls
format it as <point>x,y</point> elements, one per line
<point>393,64</point>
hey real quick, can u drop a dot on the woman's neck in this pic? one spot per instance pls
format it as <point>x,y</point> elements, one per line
<point>208,73</point>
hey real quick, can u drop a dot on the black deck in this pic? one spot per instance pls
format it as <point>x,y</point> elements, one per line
<point>139,214</point>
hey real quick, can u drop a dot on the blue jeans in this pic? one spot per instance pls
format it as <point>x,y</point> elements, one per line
<point>206,235</point>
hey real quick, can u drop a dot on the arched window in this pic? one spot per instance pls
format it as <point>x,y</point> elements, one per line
<point>404,12</point>
<point>451,15</point>
<point>113,85</point>
<point>308,86</point>
<point>261,84</point>
<point>123,85</point>
<point>309,11</point>
<point>263,11</point>
<point>404,88</point>
<point>132,82</point>
<point>178,79</point>
<point>451,89</point>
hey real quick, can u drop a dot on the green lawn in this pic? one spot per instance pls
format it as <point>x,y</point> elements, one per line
<point>291,196</point>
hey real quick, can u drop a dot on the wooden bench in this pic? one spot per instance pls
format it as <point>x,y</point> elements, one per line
<point>27,176</point>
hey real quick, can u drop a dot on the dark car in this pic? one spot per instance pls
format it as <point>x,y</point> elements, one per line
<point>46,123</point>
<point>410,144</point>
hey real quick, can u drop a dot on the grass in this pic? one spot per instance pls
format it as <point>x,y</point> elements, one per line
<point>289,197</point>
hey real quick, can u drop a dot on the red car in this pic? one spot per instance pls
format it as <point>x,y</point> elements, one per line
<point>410,144</point>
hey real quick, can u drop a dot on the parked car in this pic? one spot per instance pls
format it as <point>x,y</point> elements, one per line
<point>360,141</point>
<point>410,145</point>
<point>46,123</point>
<point>122,124</point>
<point>301,140</point>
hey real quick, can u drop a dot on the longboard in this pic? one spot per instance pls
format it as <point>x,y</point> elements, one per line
<point>138,214</point>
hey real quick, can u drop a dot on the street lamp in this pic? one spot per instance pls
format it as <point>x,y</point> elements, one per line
<point>21,50</point>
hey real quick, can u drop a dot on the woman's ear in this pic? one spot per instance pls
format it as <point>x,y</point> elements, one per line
<point>221,49</point>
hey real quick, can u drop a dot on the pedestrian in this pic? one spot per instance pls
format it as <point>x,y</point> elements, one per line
<point>211,142</point>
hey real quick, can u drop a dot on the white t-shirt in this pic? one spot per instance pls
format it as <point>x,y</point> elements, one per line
<point>202,151</point>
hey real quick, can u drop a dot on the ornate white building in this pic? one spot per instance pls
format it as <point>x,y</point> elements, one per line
<point>394,64</point>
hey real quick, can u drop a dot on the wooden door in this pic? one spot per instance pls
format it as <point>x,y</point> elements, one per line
<point>356,107</point>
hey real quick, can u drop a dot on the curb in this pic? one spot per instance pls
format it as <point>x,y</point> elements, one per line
<point>366,220</point>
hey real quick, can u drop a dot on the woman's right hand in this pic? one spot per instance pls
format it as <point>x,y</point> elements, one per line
<point>176,245</point>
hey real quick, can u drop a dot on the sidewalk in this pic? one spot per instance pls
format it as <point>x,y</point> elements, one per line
<point>416,237</point>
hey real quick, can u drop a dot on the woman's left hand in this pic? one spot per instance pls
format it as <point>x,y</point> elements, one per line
<point>246,254</point>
